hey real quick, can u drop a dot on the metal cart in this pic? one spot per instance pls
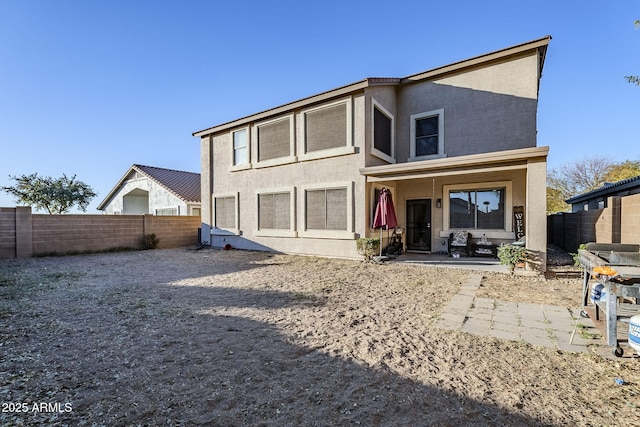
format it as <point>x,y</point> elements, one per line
<point>625,284</point>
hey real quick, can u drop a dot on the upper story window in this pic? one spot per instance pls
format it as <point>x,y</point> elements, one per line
<point>383,135</point>
<point>326,127</point>
<point>427,135</point>
<point>327,130</point>
<point>274,142</point>
<point>241,147</point>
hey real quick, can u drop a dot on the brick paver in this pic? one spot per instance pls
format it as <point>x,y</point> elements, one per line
<point>537,324</point>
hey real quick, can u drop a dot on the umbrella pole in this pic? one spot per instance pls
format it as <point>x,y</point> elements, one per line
<point>380,241</point>
<point>388,241</point>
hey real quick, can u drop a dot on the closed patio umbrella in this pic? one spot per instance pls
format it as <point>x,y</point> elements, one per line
<point>385,216</point>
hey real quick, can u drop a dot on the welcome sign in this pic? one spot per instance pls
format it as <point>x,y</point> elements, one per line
<point>518,221</point>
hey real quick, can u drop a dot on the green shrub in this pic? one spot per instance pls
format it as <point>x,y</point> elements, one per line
<point>150,241</point>
<point>510,255</point>
<point>368,247</point>
<point>576,256</point>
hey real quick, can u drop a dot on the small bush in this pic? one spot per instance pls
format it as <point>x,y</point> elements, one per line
<point>150,241</point>
<point>368,247</point>
<point>576,256</point>
<point>510,255</point>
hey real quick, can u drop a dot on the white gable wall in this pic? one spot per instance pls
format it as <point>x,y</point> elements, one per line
<point>137,204</point>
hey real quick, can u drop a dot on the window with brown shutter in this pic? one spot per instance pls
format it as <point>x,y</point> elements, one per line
<point>274,211</point>
<point>326,128</point>
<point>225,208</point>
<point>326,209</point>
<point>274,140</point>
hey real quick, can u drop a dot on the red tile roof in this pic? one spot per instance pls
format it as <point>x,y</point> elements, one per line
<point>185,185</point>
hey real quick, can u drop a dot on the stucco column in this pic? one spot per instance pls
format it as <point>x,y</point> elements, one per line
<point>536,214</point>
<point>206,187</point>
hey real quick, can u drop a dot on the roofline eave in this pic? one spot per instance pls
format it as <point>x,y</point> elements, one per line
<point>442,165</point>
<point>335,93</point>
<point>613,188</point>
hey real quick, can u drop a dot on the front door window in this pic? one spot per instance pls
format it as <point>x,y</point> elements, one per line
<point>419,225</point>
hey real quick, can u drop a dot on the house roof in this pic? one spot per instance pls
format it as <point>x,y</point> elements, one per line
<point>608,189</point>
<point>439,72</point>
<point>184,185</point>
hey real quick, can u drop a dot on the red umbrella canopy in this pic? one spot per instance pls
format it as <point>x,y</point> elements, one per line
<point>385,212</point>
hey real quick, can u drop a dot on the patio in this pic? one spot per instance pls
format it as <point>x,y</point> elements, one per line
<point>444,260</point>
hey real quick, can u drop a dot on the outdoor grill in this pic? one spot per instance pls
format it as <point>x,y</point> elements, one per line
<point>624,259</point>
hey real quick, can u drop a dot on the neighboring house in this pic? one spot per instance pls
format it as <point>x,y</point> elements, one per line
<point>456,146</point>
<point>157,191</point>
<point>597,199</point>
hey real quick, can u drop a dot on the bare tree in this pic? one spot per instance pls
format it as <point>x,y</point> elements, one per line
<point>575,178</point>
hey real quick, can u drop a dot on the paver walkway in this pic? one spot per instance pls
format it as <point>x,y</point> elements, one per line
<point>538,324</point>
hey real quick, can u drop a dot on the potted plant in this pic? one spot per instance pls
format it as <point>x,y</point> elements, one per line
<point>512,255</point>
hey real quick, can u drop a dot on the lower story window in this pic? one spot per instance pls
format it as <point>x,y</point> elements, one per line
<point>167,211</point>
<point>326,209</point>
<point>225,208</point>
<point>477,209</point>
<point>274,211</point>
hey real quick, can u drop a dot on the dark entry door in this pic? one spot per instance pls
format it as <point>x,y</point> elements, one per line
<point>419,225</point>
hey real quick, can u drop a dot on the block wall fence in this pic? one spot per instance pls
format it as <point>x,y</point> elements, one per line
<point>619,222</point>
<point>23,234</point>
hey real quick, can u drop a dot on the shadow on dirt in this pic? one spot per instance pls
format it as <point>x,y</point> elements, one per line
<point>189,355</point>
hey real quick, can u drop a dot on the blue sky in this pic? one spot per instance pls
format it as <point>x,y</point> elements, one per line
<point>92,87</point>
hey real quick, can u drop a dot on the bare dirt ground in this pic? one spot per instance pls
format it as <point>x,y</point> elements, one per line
<point>226,338</point>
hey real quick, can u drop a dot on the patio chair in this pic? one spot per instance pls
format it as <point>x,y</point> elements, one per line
<point>460,241</point>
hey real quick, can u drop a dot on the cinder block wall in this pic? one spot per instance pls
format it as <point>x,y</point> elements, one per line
<point>78,233</point>
<point>173,231</point>
<point>619,222</point>
<point>23,234</point>
<point>595,226</point>
<point>7,232</point>
<point>630,227</point>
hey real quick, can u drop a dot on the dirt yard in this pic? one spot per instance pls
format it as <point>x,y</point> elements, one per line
<point>228,338</point>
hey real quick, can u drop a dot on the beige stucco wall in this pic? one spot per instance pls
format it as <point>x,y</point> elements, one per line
<point>485,109</point>
<point>296,175</point>
<point>206,186</point>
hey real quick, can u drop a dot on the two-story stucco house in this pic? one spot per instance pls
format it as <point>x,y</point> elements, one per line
<point>456,146</point>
